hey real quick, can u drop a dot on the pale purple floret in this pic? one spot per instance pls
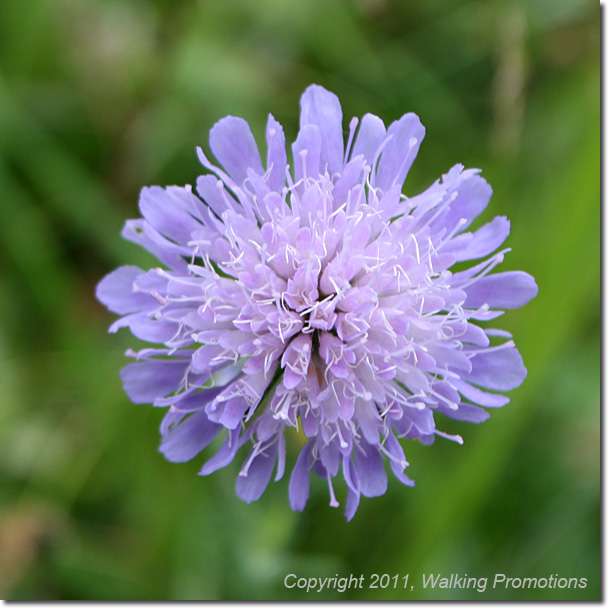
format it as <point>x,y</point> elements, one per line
<point>317,297</point>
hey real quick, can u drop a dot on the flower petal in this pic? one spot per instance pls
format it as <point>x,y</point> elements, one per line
<point>351,504</point>
<point>370,135</point>
<point>487,399</point>
<point>146,328</point>
<point>250,487</point>
<point>465,412</point>
<point>368,419</point>
<point>322,108</point>
<point>165,211</point>
<point>497,369</point>
<point>400,151</point>
<point>234,146</point>
<point>215,195</point>
<point>350,474</point>
<point>116,292</point>
<point>142,233</point>
<point>329,454</point>
<point>298,488</point>
<point>371,473</point>
<point>470,197</point>
<point>225,454</point>
<point>399,464</point>
<point>276,155</point>
<point>186,439</point>
<point>485,240</point>
<point>145,381</point>
<point>422,419</point>
<point>281,456</point>
<point>506,290</point>
<point>306,152</point>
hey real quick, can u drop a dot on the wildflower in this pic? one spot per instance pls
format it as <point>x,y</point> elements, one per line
<point>317,297</point>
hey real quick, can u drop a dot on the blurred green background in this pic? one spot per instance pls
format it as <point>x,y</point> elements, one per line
<point>101,97</point>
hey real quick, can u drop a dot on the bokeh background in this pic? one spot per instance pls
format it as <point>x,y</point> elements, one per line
<point>101,97</point>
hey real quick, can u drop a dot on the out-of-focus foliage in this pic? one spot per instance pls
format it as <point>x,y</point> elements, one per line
<point>99,98</point>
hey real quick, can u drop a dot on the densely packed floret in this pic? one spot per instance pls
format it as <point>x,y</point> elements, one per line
<point>317,296</point>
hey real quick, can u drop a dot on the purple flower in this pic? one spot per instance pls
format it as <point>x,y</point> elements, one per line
<point>317,297</point>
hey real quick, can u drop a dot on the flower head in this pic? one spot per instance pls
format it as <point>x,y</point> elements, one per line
<point>317,297</point>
